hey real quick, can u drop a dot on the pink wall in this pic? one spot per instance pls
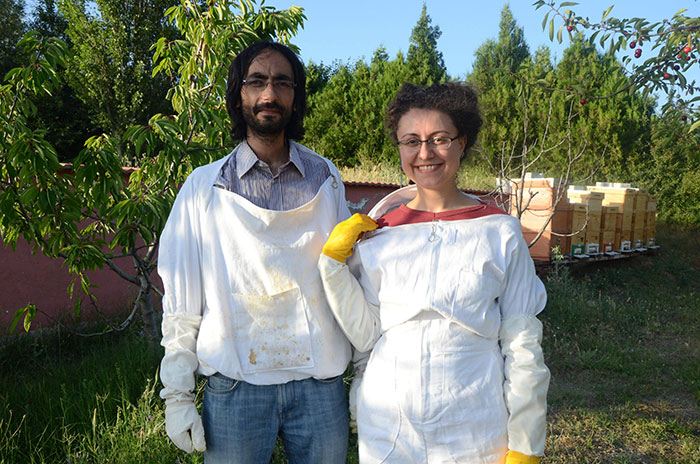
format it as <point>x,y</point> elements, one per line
<point>27,278</point>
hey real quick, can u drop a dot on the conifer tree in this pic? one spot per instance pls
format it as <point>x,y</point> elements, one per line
<point>424,60</point>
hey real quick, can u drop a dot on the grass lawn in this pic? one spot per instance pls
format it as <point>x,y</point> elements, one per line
<point>621,340</point>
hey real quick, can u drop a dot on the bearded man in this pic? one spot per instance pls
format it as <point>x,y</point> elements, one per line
<point>244,303</point>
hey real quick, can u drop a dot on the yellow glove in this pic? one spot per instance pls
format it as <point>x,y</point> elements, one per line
<point>345,234</point>
<point>513,457</point>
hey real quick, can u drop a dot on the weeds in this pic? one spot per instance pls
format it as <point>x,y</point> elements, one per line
<point>621,341</point>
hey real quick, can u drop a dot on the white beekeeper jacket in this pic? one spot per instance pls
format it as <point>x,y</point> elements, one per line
<point>457,370</point>
<point>243,295</point>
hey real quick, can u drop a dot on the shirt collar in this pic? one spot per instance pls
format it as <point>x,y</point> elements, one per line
<point>246,159</point>
<point>295,158</point>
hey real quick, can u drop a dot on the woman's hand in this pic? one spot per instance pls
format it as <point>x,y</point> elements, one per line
<point>345,234</point>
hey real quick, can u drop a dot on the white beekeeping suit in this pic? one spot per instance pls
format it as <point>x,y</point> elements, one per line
<point>456,372</point>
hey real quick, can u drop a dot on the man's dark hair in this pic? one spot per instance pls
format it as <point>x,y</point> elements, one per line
<point>237,72</point>
<point>459,101</point>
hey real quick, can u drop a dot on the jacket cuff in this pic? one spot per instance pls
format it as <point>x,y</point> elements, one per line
<point>526,383</point>
<point>180,359</point>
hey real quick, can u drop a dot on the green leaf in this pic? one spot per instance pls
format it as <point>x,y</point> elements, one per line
<point>544,21</point>
<point>607,12</point>
<point>694,126</point>
<point>551,29</point>
<point>29,317</point>
<point>565,4</point>
<point>18,315</point>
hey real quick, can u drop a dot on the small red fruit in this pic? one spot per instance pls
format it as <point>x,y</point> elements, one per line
<point>638,53</point>
<point>633,44</point>
<point>676,67</point>
<point>687,58</point>
<point>569,28</point>
<point>667,75</point>
<point>684,117</point>
<point>582,101</point>
<point>686,49</point>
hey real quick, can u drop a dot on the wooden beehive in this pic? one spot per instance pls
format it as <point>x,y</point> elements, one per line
<point>608,225</point>
<point>639,214</point>
<point>569,221</point>
<point>650,222</point>
<point>537,195</point>
<point>593,202</point>
<point>622,196</point>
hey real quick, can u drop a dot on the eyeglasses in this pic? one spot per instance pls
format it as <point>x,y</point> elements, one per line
<point>281,85</point>
<point>437,143</point>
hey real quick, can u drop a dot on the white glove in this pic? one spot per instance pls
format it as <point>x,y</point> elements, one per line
<point>526,383</point>
<point>184,426</point>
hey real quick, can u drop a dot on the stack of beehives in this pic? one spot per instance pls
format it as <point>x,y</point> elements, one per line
<point>585,220</point>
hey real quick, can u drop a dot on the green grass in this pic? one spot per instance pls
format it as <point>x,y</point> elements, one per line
<point>621,341</point>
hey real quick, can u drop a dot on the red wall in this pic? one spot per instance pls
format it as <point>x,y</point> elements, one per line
<point>27,278</point>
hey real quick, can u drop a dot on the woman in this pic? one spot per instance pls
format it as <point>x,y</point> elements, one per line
<point>445,295</point>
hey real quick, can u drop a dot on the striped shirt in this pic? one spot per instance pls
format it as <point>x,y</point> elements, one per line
<point>295,184</point>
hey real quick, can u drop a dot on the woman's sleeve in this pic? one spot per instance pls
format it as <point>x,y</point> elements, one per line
<point>356,310</point>
<point>526,376</point>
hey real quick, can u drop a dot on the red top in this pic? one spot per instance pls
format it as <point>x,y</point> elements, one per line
<point>405,215</point>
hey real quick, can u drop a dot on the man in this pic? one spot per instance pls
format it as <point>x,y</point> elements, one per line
<point>243,303</point>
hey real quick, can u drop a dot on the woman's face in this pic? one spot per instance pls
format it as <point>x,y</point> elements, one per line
<point>430,166</point>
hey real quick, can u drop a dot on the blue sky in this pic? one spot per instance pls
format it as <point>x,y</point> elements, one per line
<point>351,30</point>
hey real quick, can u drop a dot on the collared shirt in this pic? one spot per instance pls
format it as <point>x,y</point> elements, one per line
<point>296,183</point>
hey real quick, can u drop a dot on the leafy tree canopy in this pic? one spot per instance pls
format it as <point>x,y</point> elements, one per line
<point>12,29</point>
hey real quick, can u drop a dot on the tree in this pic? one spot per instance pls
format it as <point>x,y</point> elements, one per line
<point>673,169</point>
<point>346,115</point>
<point>111,67</point>
<point>48,21</point>
<point>655,56</point>
<point>518,91</point>
<point>424,59</point>
<point>620,125</point>
<point>63,116</point>
<point>92,216</point>
<point>12,29</point>
<point>494,72</point>
<point>345,120</point>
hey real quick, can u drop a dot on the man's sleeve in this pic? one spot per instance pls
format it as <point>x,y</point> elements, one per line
<point>180,270</point>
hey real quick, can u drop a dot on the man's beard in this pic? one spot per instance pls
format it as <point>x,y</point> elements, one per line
<point>265,126</point>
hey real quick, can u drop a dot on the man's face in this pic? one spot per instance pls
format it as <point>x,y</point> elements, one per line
<point>268,109</point>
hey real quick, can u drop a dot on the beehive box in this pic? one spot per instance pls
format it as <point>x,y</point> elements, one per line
<point>537,195</point>
<point>608,225</point>
<point>534,192</point>
<point>650,222</point>
<point>593,202</point>
<point>622,196</point>
<point>569,222</point>
<point>639,218</point>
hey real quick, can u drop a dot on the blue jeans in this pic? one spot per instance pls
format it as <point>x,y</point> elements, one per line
<point>242,421</point>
